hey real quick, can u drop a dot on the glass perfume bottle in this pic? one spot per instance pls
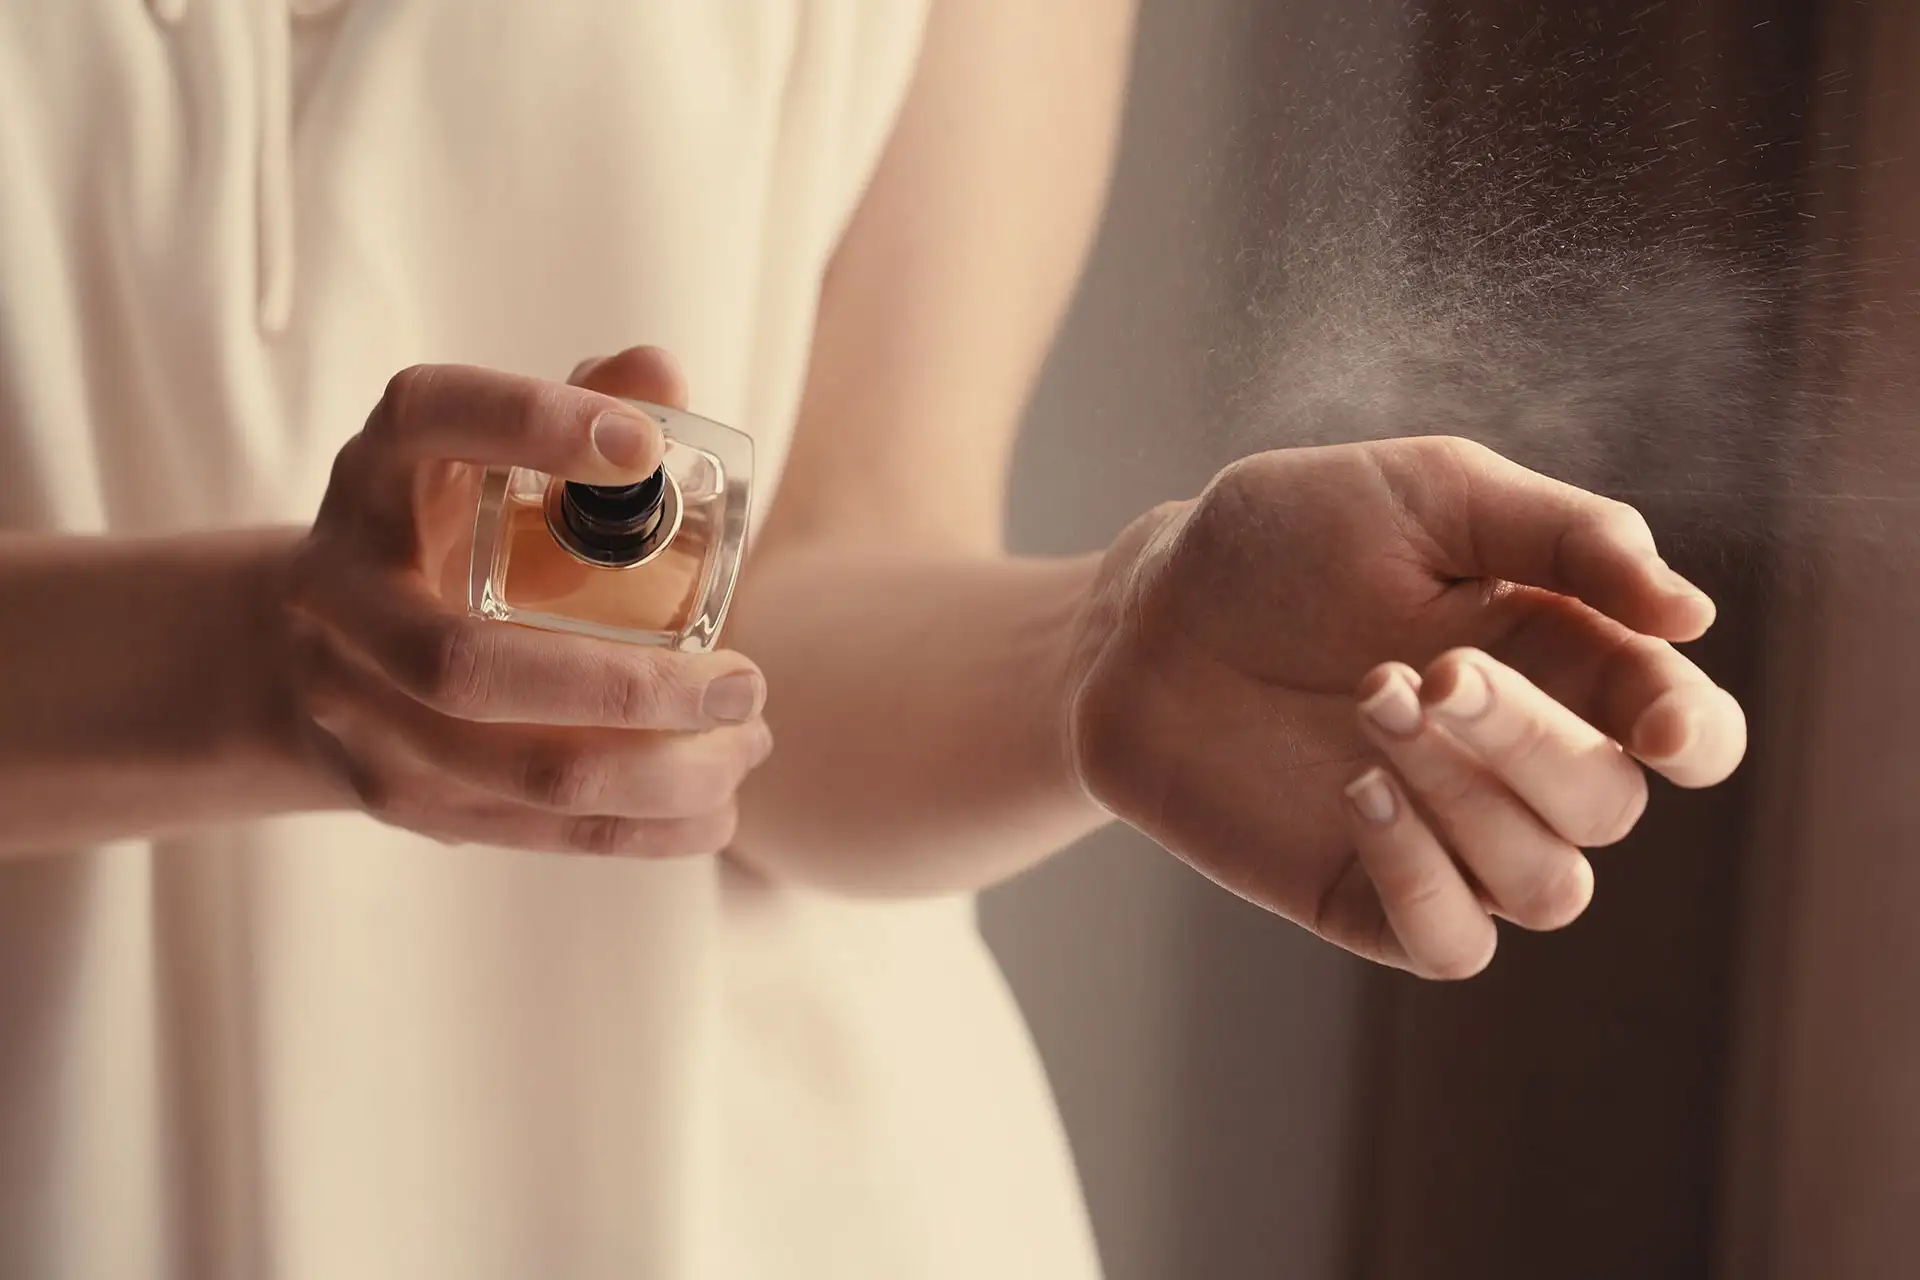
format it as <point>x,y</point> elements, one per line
<point>648,563</point>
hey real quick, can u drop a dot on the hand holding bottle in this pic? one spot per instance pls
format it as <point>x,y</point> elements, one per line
<point>1507,636</point>
<point>469,730</point>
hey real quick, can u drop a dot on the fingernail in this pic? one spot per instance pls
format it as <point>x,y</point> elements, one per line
<point>1470,696</point>
<point>624,440</point>
<point>1394,707</point>
<point>766,747</point>
<point>733,699</point>
<point>1372,798</point>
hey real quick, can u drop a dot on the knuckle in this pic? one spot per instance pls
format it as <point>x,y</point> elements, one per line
<point>757,749</point>
<point>599,835</point>
<point>334,734</point>
<point>1555,897</point>
<point>709,834</point>
<point>1457,449</point>
<point>694,837</point>
<point>1522,738</point>
<point>541,405</point>
<point>1414,891</point>
<point>1611,828</point>
<point>725,827</point>
<point>377,791</point>
<point>1229,497</point>
<point>553,776</point>
<point>352,465</point>
<point>1233,493</point>
<point>664,839</point>
<point>1606,523</point>
<point>1449,785</point>
<point>689,774</point>
<point>316,669</point>
<point>397,400</point>
<point>702,786</point>
<point>1626,522</point>
<point>1238,476</point>
<point>455,667</point>
<point>1628,654</point>
<point>1454,456</point>
<point>671,792</point>
<point>639,694</point>
<point>310,583</point>
<point>1451,660</point>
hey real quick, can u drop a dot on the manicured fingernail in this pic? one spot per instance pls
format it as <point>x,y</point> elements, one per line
<point>733,699</point>
<point>1394,707</point>
<point>624,440</point>
<point>1469,698</point>
<point>1371,797</point>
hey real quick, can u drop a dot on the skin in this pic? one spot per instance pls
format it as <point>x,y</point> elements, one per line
<point>1429,674</point>
<point>1389,691</point>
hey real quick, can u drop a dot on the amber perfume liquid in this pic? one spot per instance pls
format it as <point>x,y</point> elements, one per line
<point>652,563</point>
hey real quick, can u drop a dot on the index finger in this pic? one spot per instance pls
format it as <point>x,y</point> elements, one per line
<point>1635,688</point>
<point>1521,526</point>
<point>464,413</point>
<point>475,669</point>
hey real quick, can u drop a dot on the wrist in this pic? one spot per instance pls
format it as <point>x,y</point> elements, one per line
<point>216,706</point>
<point>1071,634</point>
<point>1100,635</point>
<point>146,687</point>
<point>263,730</point>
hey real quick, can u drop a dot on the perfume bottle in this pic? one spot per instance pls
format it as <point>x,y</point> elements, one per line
<point>647,563</point>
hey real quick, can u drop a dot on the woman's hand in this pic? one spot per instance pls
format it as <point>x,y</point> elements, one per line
<point>1505,638</point>
<point>471,730</point>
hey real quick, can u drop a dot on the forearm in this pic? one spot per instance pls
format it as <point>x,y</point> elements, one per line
<point>917,706</point>
<point>138,692</point>
<point>916,674</point>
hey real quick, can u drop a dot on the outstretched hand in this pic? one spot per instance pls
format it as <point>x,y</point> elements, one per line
<point>1392,690</point>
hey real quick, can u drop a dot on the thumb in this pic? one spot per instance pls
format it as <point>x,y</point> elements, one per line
<point>638,373</point>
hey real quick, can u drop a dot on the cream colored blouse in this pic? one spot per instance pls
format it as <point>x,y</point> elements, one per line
<point>317,1048</point>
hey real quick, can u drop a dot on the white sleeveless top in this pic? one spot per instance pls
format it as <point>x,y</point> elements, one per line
<point>318,1048</point>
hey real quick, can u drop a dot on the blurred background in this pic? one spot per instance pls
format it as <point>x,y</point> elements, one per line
<point>1665,249</point>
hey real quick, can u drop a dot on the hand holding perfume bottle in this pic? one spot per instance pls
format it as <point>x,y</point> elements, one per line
<point>1213,689</point>
<point>607,725</point>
